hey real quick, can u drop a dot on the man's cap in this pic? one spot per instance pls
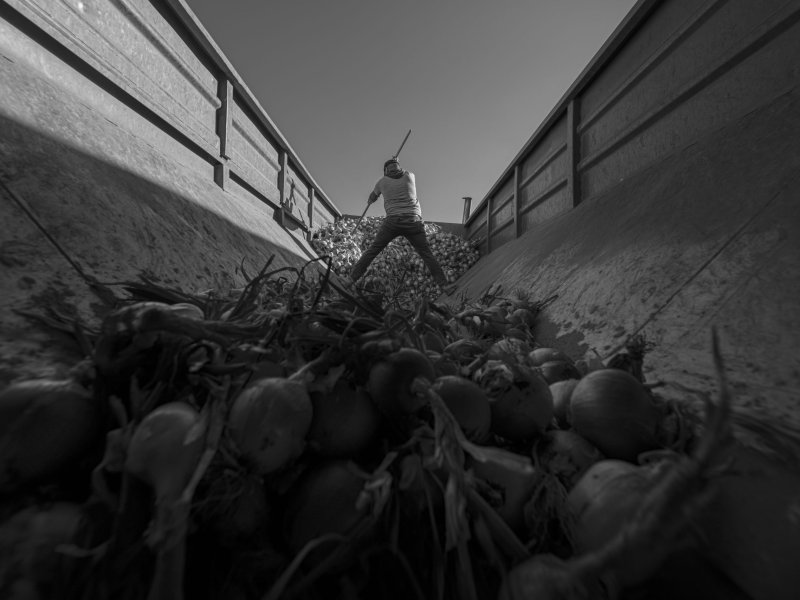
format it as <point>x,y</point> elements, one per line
<point>390,161</point>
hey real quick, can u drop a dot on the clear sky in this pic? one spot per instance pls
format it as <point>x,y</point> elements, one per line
<point>344,81</point>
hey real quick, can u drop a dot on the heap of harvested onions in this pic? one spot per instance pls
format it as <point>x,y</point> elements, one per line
<point>398,270</point>
<point>294,441</point>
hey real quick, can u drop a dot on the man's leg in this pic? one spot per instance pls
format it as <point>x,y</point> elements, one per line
<point>419,240</point>
<point>385,235</point>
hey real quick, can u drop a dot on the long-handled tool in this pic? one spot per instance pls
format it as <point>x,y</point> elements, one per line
<point>366,208</point>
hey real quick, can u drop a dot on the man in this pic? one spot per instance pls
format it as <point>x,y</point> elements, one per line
<point>403,217</point>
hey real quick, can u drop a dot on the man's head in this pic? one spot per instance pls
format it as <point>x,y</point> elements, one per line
<point>391,166</point>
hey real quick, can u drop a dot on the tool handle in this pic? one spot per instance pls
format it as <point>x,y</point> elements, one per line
<point>401,145</point>
<point>360,218</point>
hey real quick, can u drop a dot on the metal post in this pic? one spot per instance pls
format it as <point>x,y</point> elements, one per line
<point>515,201</point>
<point>573,152</point>
<point>488,225</point>
<point>284,161</point>
<point>310,211</point>
<point>467,203</point>
<point>225,95</point>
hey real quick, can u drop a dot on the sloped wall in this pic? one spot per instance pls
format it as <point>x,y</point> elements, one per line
<point>96,188</point>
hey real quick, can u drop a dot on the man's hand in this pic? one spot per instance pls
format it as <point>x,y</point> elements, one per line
<point>372,198</point>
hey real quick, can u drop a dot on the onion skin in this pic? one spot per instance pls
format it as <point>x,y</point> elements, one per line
<point>603,500</point>
<point>615,412</point>
<point>345,421</point>
<point>269,421</point>
<point>46,425</point>
<point>469,405</point>
<point>390,382</point>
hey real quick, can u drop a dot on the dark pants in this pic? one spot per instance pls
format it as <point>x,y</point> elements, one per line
<point>414,232</point>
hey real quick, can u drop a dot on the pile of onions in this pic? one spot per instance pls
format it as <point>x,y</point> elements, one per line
<point>615,412</point>
<point>45,426</point>
<point>398,266</point>
<point>268,421</point>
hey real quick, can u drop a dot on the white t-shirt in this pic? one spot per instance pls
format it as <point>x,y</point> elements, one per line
<point>399,195</point>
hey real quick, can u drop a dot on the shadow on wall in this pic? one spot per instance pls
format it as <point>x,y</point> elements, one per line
<point>117,224</point>
<point>70,218</point>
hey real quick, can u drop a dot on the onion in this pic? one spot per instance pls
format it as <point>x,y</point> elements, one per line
<point>45,426</point>
<point>269,421</point>
<point>521,402</point>
<point>558,370</point>
<point>468,403</point>
<point>562,394</point>
<point>603,500</point>
<point>566,455</point>
<point>345,421</point>
<point>539,356</point>
<point>390,381</point>
<point>165,449</point>
<point>614,411</point>
<point>165,452</point>
<point>29,542</point>
<point>324,500</point>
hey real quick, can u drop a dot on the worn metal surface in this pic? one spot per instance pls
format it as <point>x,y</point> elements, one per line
<point>156,59</point>
<point>708,237</point>
<point>114,208</point>
<point>674,72</point>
